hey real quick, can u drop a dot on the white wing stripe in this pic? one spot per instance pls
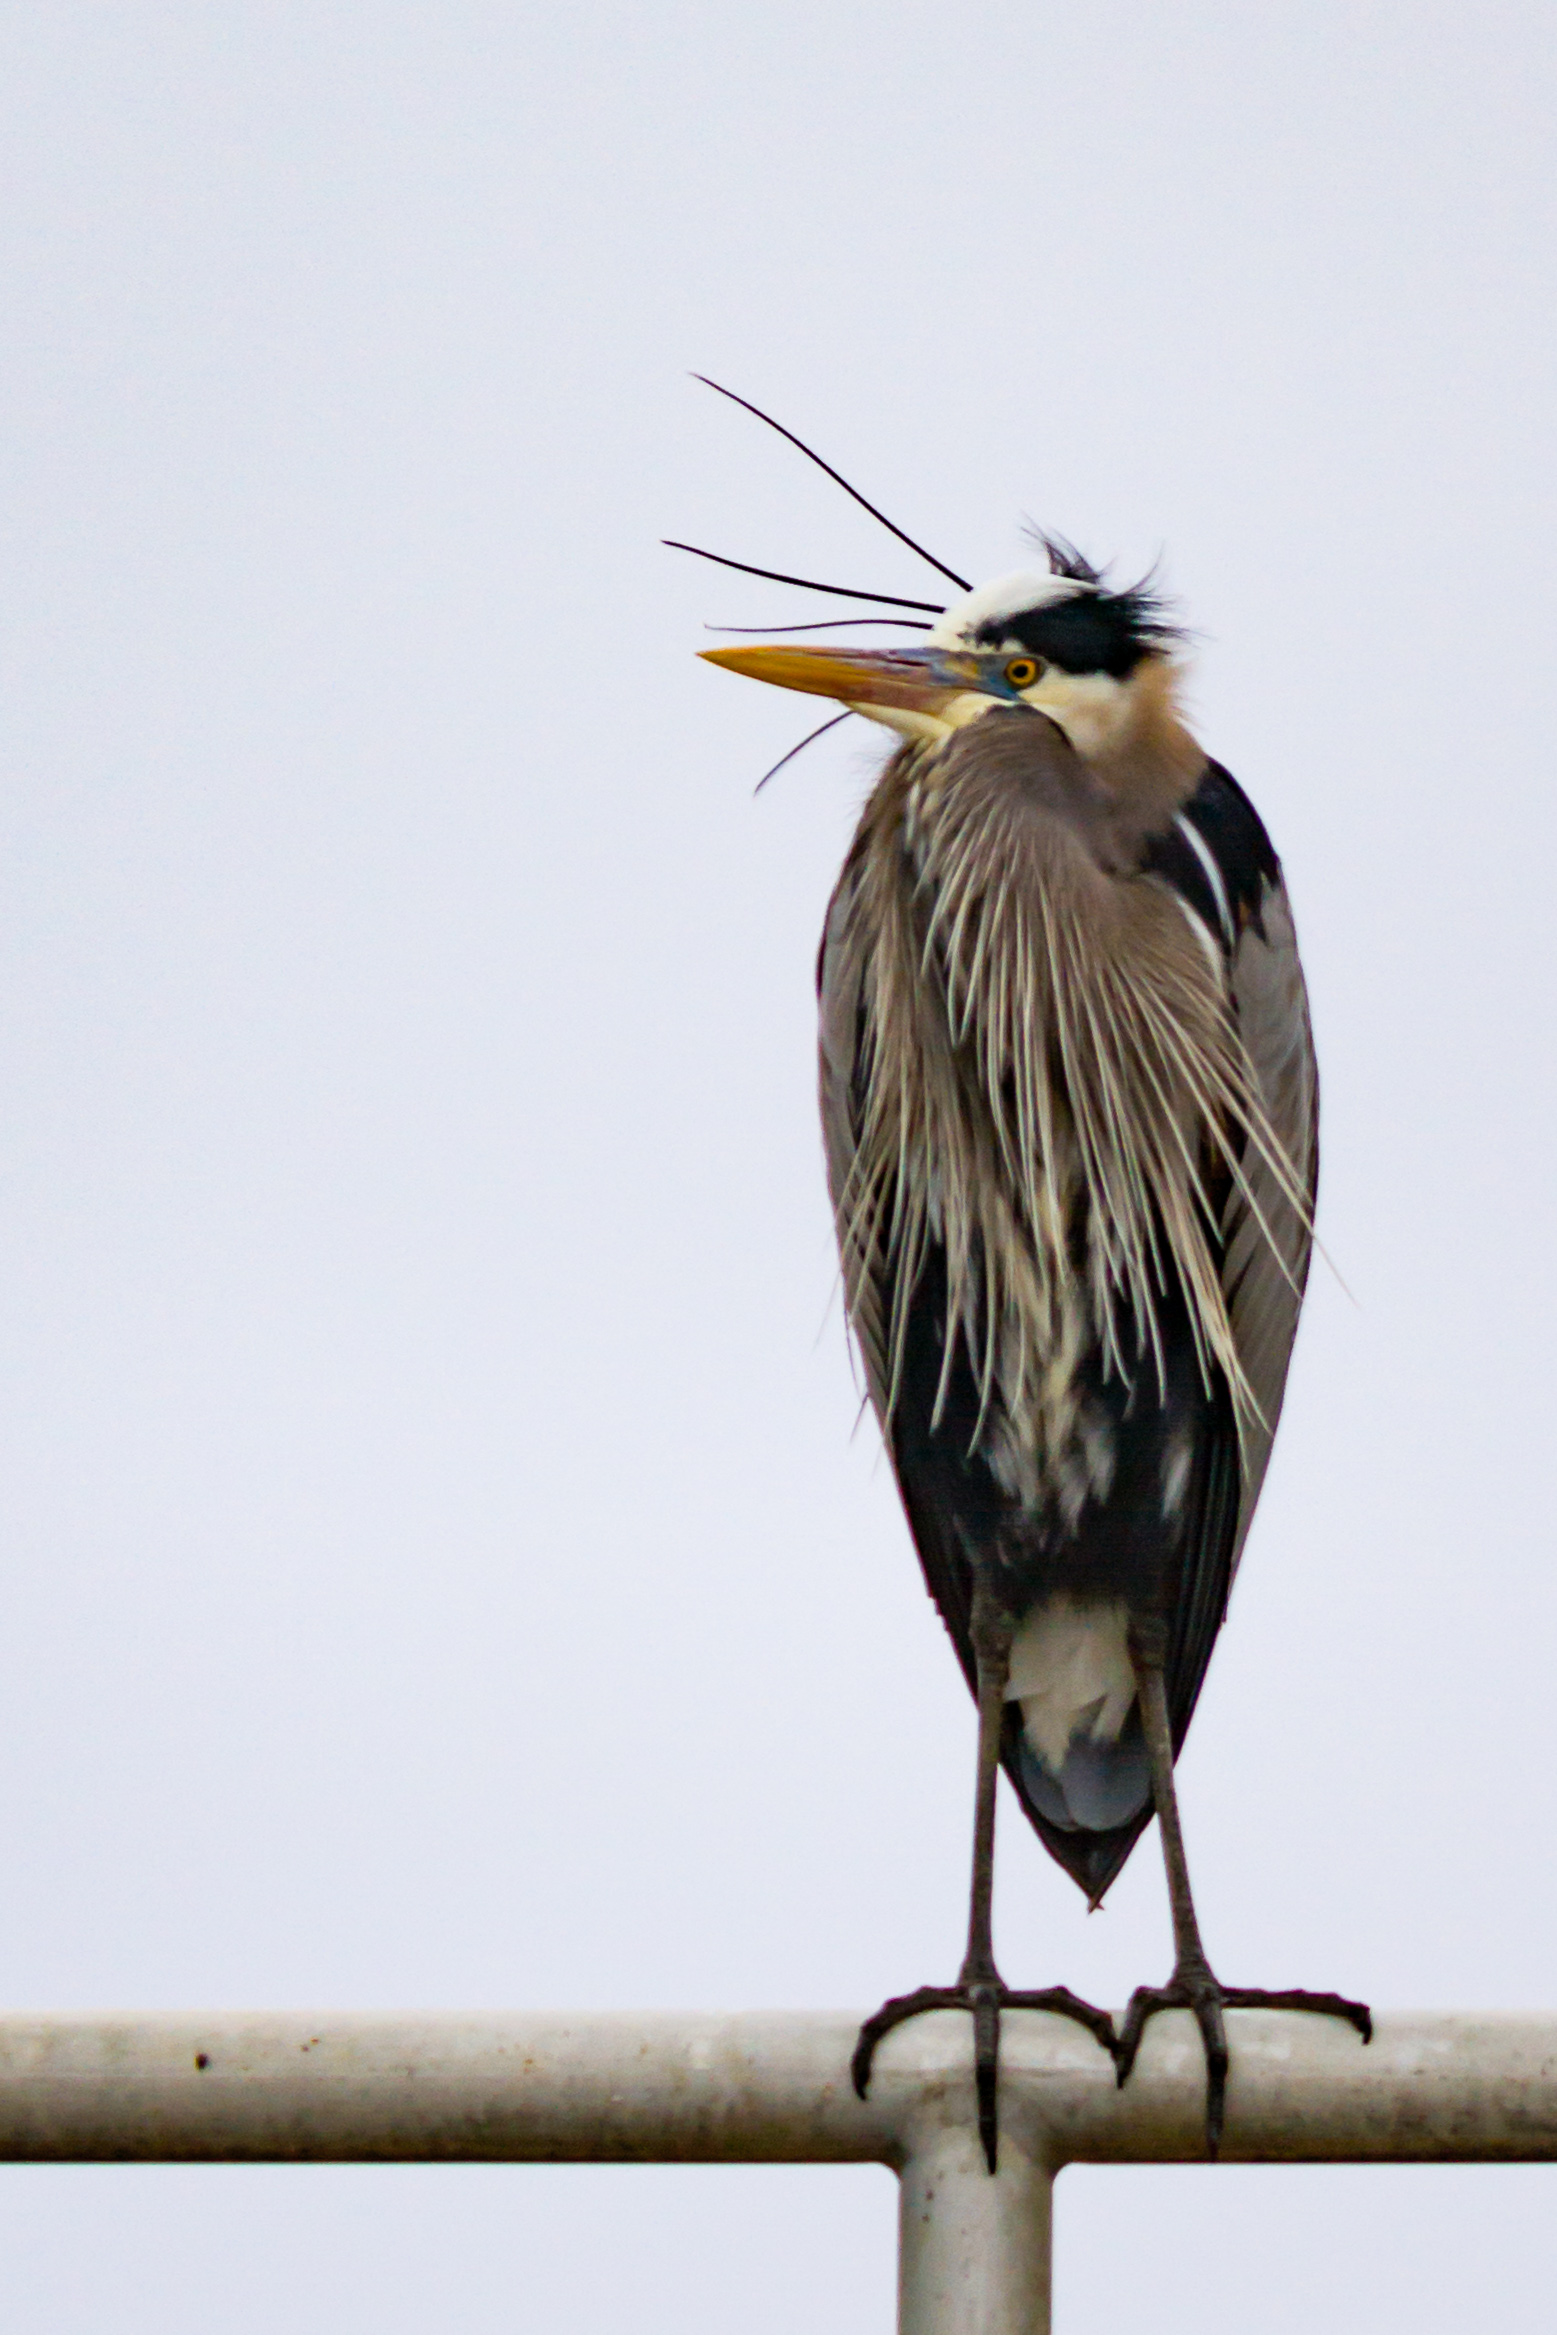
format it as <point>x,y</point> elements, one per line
<point>1202,851</point>
<point>1207,939</point>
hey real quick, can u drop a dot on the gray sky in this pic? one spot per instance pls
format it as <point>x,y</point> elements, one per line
<point>440,1566</point>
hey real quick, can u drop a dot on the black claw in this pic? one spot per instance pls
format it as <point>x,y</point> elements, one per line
<point>1208,2017</point>
<point>1198,1991</point>
<point>1216,2104</point>
<point>985,1998</point>
<point>892,2014</point>
<point>986,2068</point>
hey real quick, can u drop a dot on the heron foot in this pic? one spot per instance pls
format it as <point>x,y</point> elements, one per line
<point>986,1997</point>
<point>1193,1987</point>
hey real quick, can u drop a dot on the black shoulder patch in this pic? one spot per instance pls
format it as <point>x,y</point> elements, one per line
<point>1170,855</point>
<point>1234,834</point>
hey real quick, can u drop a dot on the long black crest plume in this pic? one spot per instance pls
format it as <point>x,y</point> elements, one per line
<point>837,624</point>
<point>806,583</point>
<point>838,479</point>
<point>809,739</point>
<point>1143,606</point>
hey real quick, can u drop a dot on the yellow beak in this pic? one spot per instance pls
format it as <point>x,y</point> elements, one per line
<point>913,680</point>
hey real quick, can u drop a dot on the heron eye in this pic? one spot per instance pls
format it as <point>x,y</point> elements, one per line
<point>1022,672</point>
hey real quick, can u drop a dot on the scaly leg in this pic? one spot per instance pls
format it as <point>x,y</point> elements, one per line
<point>980,1987</point>
<point>1194,1986</point>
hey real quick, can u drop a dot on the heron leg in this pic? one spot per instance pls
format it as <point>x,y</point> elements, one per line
<point>1194,1986</point>
<point>980,1987</point>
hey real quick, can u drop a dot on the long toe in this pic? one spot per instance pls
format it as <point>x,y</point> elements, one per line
<point>892,2014</point>
<point>1069,2006</point>
<point>1195,1991</point>
<point>1297,1998</point>
<point>1142,2004</point>
<point>986,1997</point>
<point>1213,2034</point>
<point>1198,1991</point>
<point>986,2067</point>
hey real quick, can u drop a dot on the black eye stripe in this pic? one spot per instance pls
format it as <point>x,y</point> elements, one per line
<point>1094,632</point>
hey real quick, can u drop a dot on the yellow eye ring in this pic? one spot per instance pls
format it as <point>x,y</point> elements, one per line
<point>1022,672</point>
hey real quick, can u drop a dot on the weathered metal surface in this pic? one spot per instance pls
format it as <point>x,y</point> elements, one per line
<point>758,2086</point>
<point>973,2253</point>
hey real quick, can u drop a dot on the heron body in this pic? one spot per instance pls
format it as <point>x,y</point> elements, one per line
<point>1071,1115</point>
<point>1077,1371</point>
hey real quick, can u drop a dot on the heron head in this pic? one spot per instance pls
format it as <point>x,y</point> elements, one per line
<point>1098,662</point>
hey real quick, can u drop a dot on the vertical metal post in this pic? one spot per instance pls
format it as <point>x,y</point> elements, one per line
<point>973,2252</point>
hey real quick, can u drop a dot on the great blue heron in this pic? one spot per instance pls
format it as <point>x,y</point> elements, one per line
<point>1071,1116</point>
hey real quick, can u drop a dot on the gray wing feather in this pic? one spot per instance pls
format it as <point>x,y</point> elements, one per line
<point>1263,1275</point>
<point>840,977</point>
<point>1263,1285</point>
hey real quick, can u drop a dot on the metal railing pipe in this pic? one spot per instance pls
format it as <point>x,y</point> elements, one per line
<point>758,2086</point>
<point>773,2087</point>
<point>974,2254</point>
